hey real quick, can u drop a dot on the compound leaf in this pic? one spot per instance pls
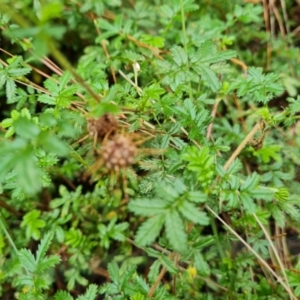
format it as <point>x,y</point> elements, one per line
<point>208,76</point>
<point>175,231</point>
<point>113,271</point>
<point>147,207</point>
<point>192,213</point>
<point>179,56</point>
<point>63,295</point>
<point>90,294</point>
<point>149,230</point>
<point>27,260</point>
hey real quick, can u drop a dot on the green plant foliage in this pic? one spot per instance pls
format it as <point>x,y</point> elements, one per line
<point>261,87</point>
<point>35,279</point>
<point>13,71</point>
<point>61,95</point>
<point>33,224</point>
<point>90,294</point>
<point>112,231</point>
<point>149,149</point>
<point>187,67</point>
<point>200,162</point>
<point>172,204</point>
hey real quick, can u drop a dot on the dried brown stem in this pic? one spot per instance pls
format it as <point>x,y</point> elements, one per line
<point>240,63</point>
<point>155,51</point>
<point>261,260</point>
<point>213,114</point>
<point>242,145</point>
<point>104,49</point>
<point>156,283</point>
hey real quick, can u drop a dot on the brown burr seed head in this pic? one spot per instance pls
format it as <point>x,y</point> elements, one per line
<point>118,153</point>
<point>103,126</point>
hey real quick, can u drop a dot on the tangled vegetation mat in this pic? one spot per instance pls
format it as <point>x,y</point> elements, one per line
<point>149,149</point>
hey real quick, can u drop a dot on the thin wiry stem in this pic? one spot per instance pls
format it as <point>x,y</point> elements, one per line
<point>274,250</point>
<point>10,240</point>
<point>285,16</point>
<point>279,279</point>
<point>156,283</point>
<point>242,145</point>
<point>185,42</point>
<point>65,64</point>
